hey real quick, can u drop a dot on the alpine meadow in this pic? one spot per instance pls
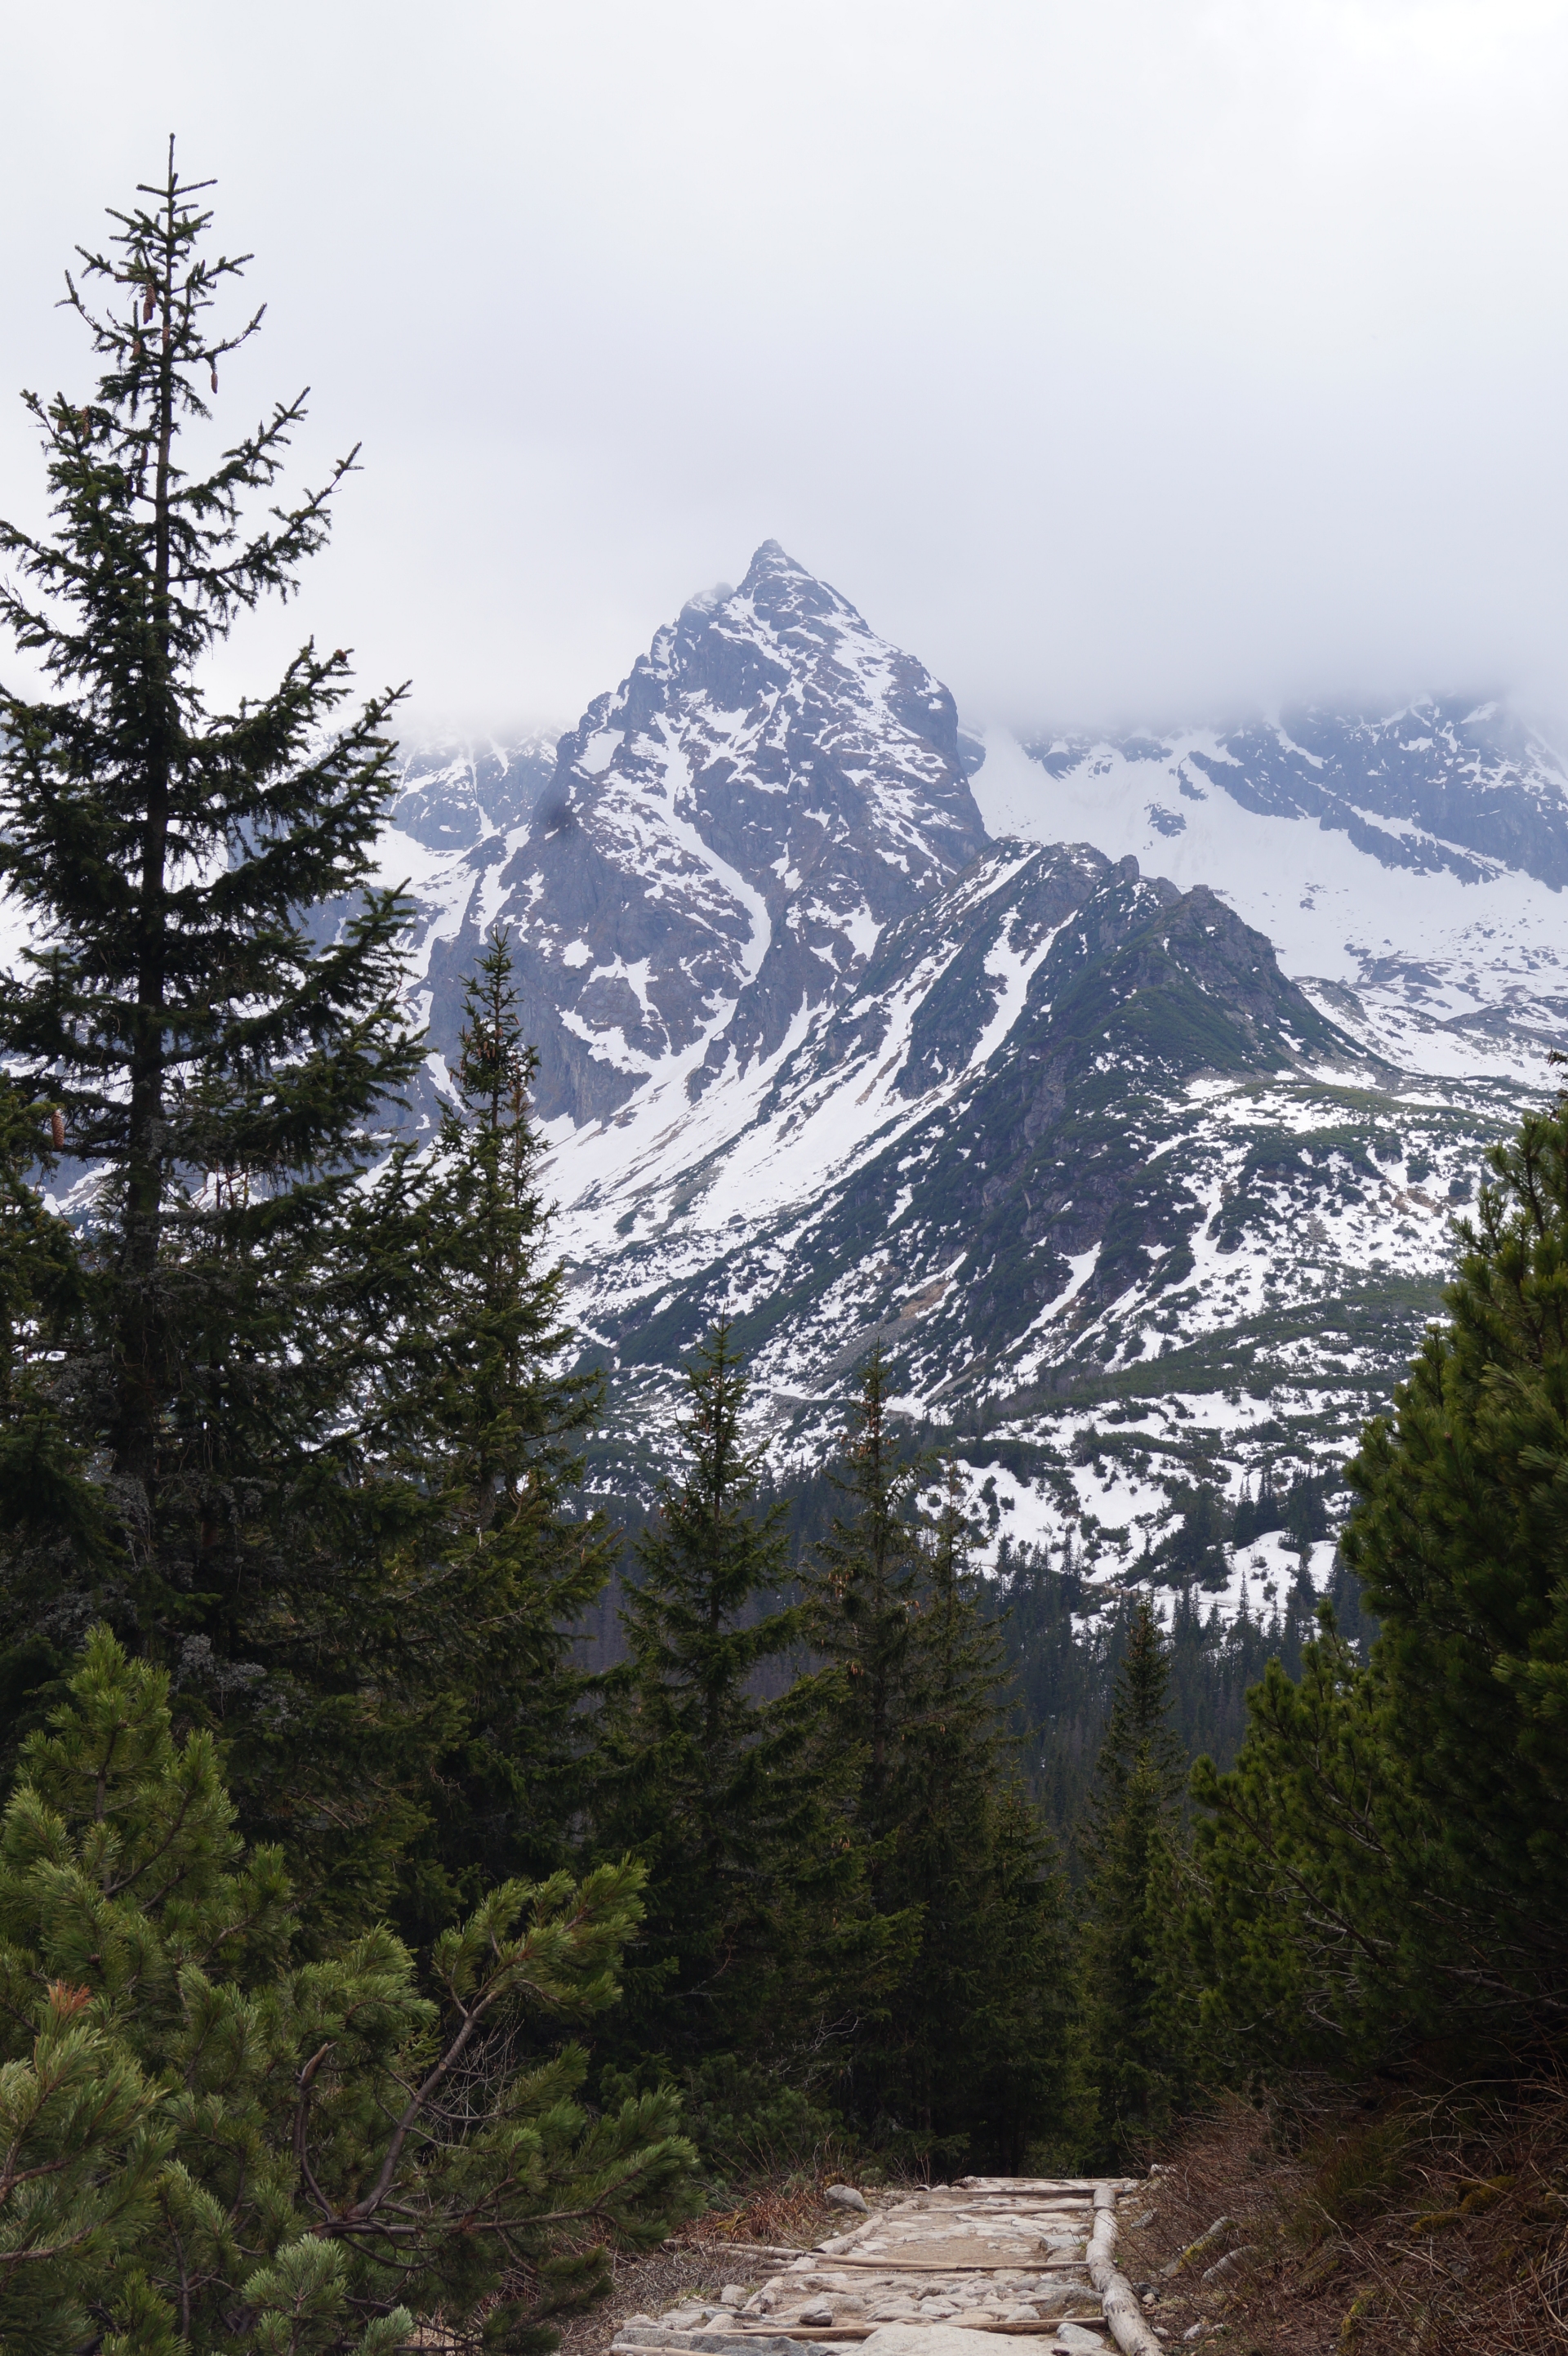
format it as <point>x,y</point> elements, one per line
<point>734,1467</point>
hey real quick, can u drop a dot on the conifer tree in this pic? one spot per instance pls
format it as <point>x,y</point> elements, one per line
<point>210,2142</point>
<point>714,1789</point>
<point>965,2056</point>
<point>862,1594</point>
<point>1134,1969</point>
<point>1385,1863</point>
<point>981,2012</point>
<point>45,1289</point>
<point>217,1062</point>
<point>475,1425</point>
<point>53,1512</point>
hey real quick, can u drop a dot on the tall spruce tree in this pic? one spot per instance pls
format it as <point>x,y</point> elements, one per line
<point>982,2012</point>
<point>752,1900</point>
<point>474,1428</point>
<point>1384,1865</point>
<point>217,1062</point>
<point>965,2055</point>
<point>862,1593</point>
<point>1136,1975</point>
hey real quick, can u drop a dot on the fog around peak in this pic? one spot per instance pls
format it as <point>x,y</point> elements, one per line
<point>1128,362</point>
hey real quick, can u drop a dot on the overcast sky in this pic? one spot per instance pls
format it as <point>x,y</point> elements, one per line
<point>1123,360</point>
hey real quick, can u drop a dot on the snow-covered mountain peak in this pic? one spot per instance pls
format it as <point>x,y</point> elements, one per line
<point>1123,1101</point>
<point>454,795</point>
<point>715,849</point>
<point>1412,861</point>
<point>781,686</point>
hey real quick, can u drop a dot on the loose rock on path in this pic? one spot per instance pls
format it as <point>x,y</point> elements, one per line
<point>943,2273</point>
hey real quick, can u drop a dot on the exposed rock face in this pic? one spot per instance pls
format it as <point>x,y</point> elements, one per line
<point>453,801</point>
<point>718,845</point>
<point>1010,1055</point>
<point>1446,785</point>
<point>1127,1207</point>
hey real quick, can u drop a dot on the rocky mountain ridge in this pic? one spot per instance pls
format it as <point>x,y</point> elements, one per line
<point>717,846</point>
<point>853,1030</point>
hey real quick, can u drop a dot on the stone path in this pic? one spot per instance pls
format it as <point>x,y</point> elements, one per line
<point>944,2273</point>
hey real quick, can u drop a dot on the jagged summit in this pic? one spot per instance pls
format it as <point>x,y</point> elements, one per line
<point>719,842</point>
<point>1060,1117</point>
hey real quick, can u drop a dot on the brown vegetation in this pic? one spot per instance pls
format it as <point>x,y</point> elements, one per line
<point>721,2246</point>
<point>1434,2222</point>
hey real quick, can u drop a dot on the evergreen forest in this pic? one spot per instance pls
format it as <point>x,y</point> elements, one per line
<point>367,1953</point>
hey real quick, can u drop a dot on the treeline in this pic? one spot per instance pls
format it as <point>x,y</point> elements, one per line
<point>1065,1633</point>
<point>1065,1642</point>
<point>364,1957</point>
<point>361,1956</point>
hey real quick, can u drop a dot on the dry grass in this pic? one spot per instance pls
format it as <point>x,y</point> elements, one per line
<point>1431,2223</point>
<point>784,2215</point>
<point>645,2286</point>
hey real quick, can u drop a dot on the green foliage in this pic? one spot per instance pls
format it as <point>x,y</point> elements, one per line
<point>53,1512</point>
<point>965,2055</point>
<point>1383,1863</point>
<point>328,1441</point>
<point>749,2124</point>
<point>1138,2008</point>
<point>1460,1539</point>
<point>754,1906</point>
<point>1254,1516</point>
<point>1194,1553</point>
<point>1064,1649</point>
<point>470,1444</point>
<point>862,1594</point>
<point>84,2149</point>
<point>1294,1935</point>
<point>979,2019</point>
<point>216,1059</point>
<point>215,2145</point>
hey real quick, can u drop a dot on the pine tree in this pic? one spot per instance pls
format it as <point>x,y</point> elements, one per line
<point>217,1055</point>
<point>1133,1971</point>
<point>714,1789</point>
<point>209,2143</point>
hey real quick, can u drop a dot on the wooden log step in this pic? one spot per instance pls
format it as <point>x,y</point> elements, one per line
<point>1030,2266</point>
<point>831,2332</point>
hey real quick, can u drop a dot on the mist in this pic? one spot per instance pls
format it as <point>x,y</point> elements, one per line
<point>1127,363</point>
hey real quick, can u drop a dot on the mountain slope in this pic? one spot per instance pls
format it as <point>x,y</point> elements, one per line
<point>1415,861</point>
<point>717,847</point>
<point>1132,1131</point>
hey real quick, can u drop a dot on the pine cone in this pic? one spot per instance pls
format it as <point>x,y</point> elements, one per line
<point>57,1128</point>
<point>148,302</point>
<point>215,379</point>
